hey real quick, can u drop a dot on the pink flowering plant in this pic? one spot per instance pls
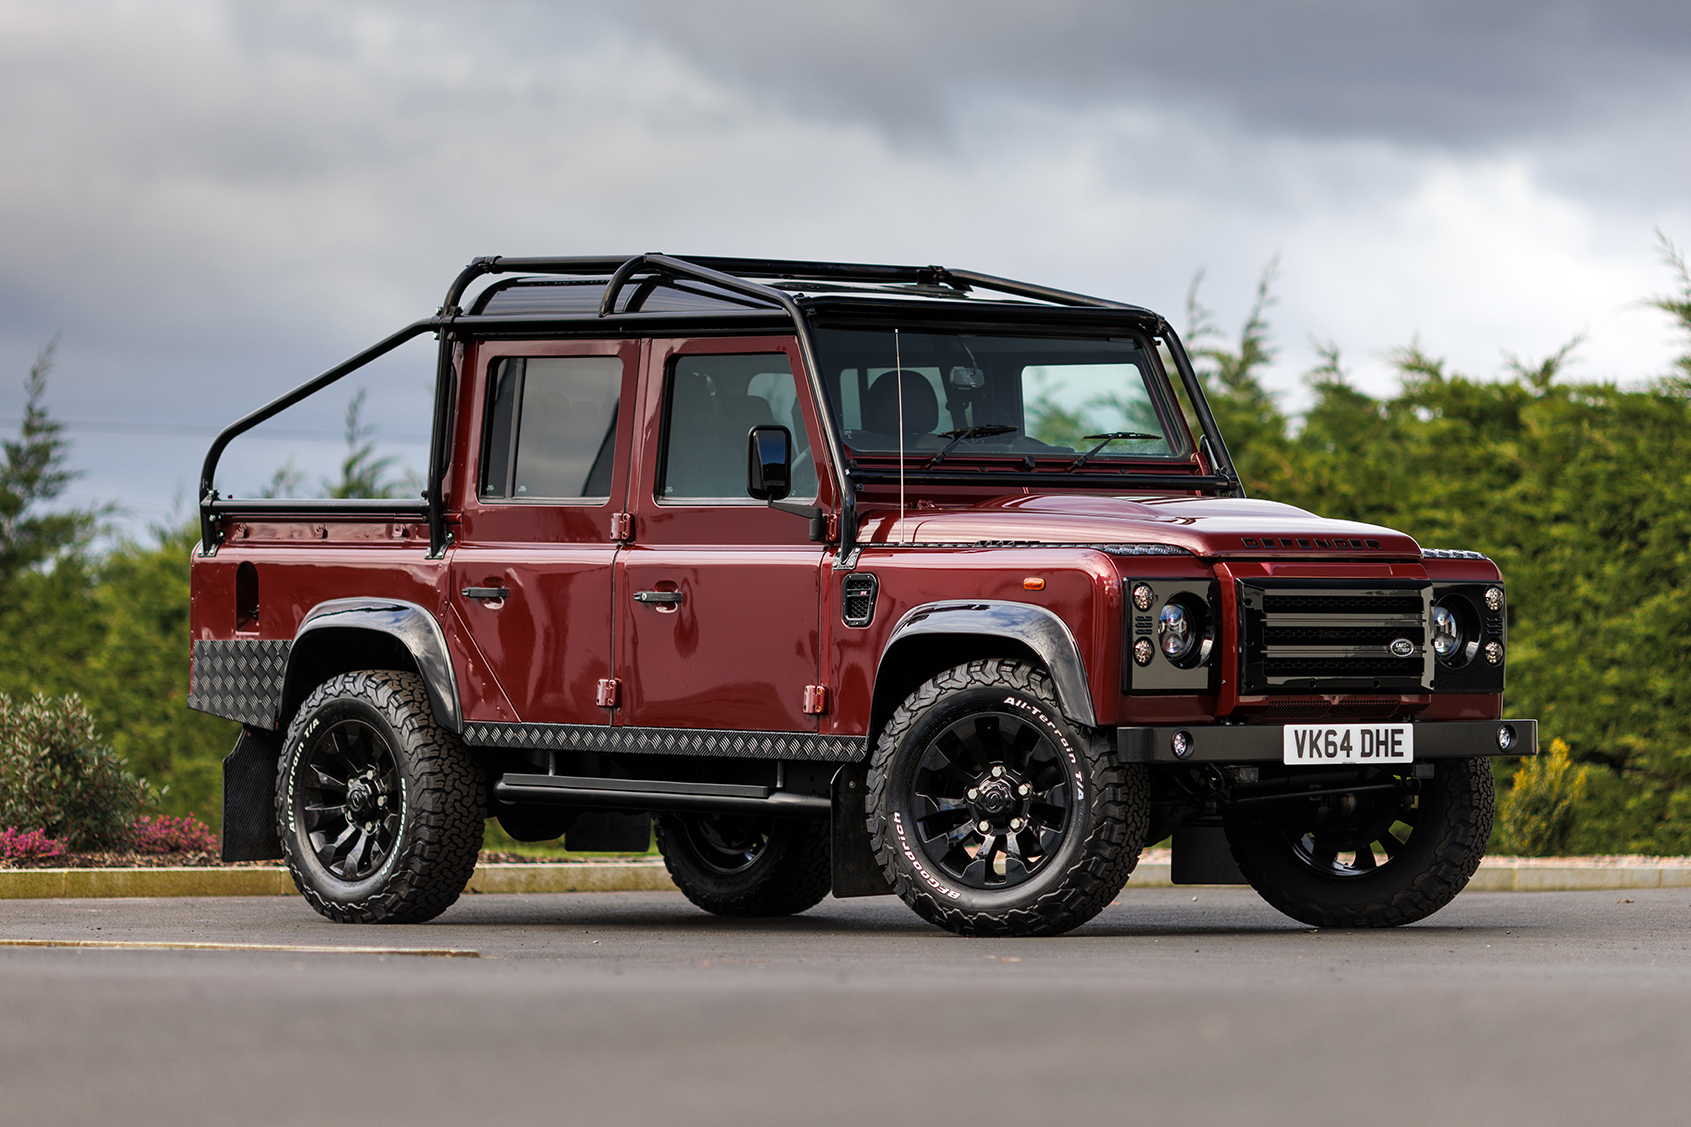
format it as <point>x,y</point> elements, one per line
<point>166,834</point>
<point>16,844</point>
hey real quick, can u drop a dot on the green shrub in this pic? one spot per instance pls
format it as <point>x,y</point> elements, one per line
<point>56,777</point>
<point>1538,811</point>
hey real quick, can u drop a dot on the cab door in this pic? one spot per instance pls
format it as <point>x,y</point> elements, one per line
<point>530,573</point>
<point>718,595</point>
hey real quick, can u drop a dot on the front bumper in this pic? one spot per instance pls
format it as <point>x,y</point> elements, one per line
<point>1246,743</point>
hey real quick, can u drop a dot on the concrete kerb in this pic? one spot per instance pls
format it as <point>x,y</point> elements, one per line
<point>1517,875</point>
<point>1503,875</point>
<point>576,876</point>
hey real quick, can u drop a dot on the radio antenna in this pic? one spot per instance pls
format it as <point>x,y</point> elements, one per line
<point>898,378</point>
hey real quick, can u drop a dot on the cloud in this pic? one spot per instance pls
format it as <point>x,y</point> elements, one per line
<point>1443,73</point>
<point>215,200</point>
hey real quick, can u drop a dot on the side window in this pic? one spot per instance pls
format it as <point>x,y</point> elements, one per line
<point>551,430</point>
<point>710,403</point>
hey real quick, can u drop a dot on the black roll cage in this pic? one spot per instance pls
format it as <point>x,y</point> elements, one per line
<point>734,275</point>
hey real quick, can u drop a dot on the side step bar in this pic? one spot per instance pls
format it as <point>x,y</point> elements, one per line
<point>651,794</point>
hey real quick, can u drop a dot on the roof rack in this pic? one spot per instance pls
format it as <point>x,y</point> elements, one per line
<point>620,270</point>
<point>735,275</point>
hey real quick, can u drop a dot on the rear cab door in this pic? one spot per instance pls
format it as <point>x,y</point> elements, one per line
<point>531,567</point>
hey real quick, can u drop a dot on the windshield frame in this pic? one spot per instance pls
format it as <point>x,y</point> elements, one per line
<point>975,459</point>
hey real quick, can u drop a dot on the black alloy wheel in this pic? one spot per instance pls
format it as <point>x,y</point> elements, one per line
<point>992,800</point>
<point>727,843</point>
<point>380,809</point>
<point>350,798</point>
<point>1354,835</point>
<point>991,813</point>
<point>1369,858</point>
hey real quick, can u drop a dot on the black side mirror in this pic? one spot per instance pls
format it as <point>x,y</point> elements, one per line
<point>769,462</point>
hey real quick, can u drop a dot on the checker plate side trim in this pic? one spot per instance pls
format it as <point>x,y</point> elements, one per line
<point>601,738</point>
<point>240,679</point>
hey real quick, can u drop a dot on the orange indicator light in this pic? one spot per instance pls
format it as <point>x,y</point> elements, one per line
<point>1033,583</point>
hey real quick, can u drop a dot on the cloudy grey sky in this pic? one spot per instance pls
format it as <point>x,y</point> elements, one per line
<point>209,201</point>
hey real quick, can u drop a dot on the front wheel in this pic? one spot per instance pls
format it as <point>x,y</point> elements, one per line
<point>1370,858</point>
<point>992,814</point>
<point>380,809</point>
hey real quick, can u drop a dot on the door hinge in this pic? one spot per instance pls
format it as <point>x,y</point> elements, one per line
<point>610,692</point>
<point>815,699</point>
<point>622,526</point>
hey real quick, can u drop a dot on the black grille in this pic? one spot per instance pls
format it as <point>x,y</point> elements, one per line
<point>1315,667</point>
<point>858,598</point>
<point>1341,604</point>
<point>1381,636</point>
<point>1295,710</point>
<point>1300,636</point>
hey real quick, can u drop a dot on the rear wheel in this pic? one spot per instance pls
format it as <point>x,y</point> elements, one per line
<point>380,809</point>
<point>1370,858</point>
<point>744,865</point>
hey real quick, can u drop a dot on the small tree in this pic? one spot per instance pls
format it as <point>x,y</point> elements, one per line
<point>1251,421</point>
<point>34,474</point>
<point>362,473</point>
<point>1677,306</point>
<point>1537,814</point>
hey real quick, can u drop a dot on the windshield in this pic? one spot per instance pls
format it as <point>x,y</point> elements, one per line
<point>968,395</point>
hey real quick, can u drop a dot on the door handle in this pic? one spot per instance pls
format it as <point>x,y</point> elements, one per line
<point>658,598</point>
<point>486,592</point>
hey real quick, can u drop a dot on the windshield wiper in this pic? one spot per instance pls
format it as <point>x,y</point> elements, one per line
<point>957,436</point>
<point>1104,440</point>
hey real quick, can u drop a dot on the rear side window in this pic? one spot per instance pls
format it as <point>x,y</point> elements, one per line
<point>551,430</point>
<point>712,402</point>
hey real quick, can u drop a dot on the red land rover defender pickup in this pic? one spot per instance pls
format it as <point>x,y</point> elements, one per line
<point>860,579</point>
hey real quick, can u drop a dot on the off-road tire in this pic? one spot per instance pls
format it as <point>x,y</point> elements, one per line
<point>441,806</point>
<point>1097,852</point>
<point>790,874</point>
<point>1449,839</point>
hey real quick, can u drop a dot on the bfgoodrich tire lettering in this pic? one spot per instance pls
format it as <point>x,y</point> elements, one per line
<point>1386,861</point>
<point>991,814</point>
<point>380,810</point>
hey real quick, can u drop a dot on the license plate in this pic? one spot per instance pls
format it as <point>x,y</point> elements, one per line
<point>1312,744</point>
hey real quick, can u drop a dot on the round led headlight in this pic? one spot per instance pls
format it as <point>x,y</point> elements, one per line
<point>1175,634</point>
<point>1494,652</point>
<point>1494,599</point>
<point>1447,632</point>
<point>1143,597</point>
<point>1143,651</point>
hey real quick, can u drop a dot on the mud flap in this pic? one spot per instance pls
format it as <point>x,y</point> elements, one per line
<point>1202,856</point>
<point>249,797</point>
<point>856,873</point>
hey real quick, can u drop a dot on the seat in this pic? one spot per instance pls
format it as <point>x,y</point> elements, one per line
<point>707,442</point>
<point>921,406</point>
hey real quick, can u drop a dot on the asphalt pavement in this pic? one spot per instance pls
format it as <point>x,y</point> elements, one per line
<point>1175,1006</point>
